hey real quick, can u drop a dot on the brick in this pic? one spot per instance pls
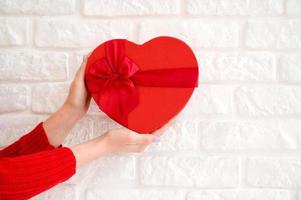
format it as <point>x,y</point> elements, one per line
<point>133,194</point>
<point>181,135</point>
<point>205,171</point>
<point>274,172</point>
<point>281,34</point>
<point>13,31</point>
<point>81,177</point>
<point>234,7</point>
<point>267,100</point>
<point>246,67</point>
<point>213,34</point>
<point>209,100</point>
<point>109,169</point>
<point>62,191</point>
<point>270,134</point>
<point>48,97</point>
<point>13,98</point>
<point>64,33</point>
<point>250,134</point>
<point>102,124</point>
<point>241,194</point>
<point>37,7</point>
<point>15,126</point>
<point>220,134</point>
<point>34,66</point>
<point>81,132</point>
<point>290,68</point>
<point>130,7</point>
<point>236,66</point>
<point>207,66</point>
<point>112,169</point>
<point>293,7</point>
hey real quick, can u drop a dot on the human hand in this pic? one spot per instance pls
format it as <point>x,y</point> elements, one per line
<point>124,140</point>
<point>78,99</point>
<point>58,125</point>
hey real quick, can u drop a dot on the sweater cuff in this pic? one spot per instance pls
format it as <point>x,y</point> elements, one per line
<point>34,141</point>
<point>42,142</point>
<point>44,136</point>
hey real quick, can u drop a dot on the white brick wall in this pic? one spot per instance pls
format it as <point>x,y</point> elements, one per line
<point>239,138</point>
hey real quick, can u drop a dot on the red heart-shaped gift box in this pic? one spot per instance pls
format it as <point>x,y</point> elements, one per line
<point>142,86</point>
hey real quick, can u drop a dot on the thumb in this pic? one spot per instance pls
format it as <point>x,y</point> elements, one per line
<point>142,138</point>
<point>82,68</point>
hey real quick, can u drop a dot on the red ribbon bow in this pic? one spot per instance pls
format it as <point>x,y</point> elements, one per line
<point>114,77</point>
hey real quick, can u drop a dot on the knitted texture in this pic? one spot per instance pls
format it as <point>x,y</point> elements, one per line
<point>32,165</point>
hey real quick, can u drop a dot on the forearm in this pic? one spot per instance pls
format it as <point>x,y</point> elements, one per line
<point>90,150</point>
<point>60,123</point>
<point>75,106</point>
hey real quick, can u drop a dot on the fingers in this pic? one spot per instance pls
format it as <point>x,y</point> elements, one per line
<point>126,140</point>
<point>82,68</point>
<point>81,71</point>
<point>135,142</point>
<point>141,139</point>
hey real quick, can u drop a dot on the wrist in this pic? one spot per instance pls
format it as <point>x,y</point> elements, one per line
<point>103,145</point>
<point>72,112</point>
<point>60,123</point>
<point>89,151</point>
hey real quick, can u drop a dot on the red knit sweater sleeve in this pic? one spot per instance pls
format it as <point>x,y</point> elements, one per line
<point>34,141</point>
<point>31,165</point>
